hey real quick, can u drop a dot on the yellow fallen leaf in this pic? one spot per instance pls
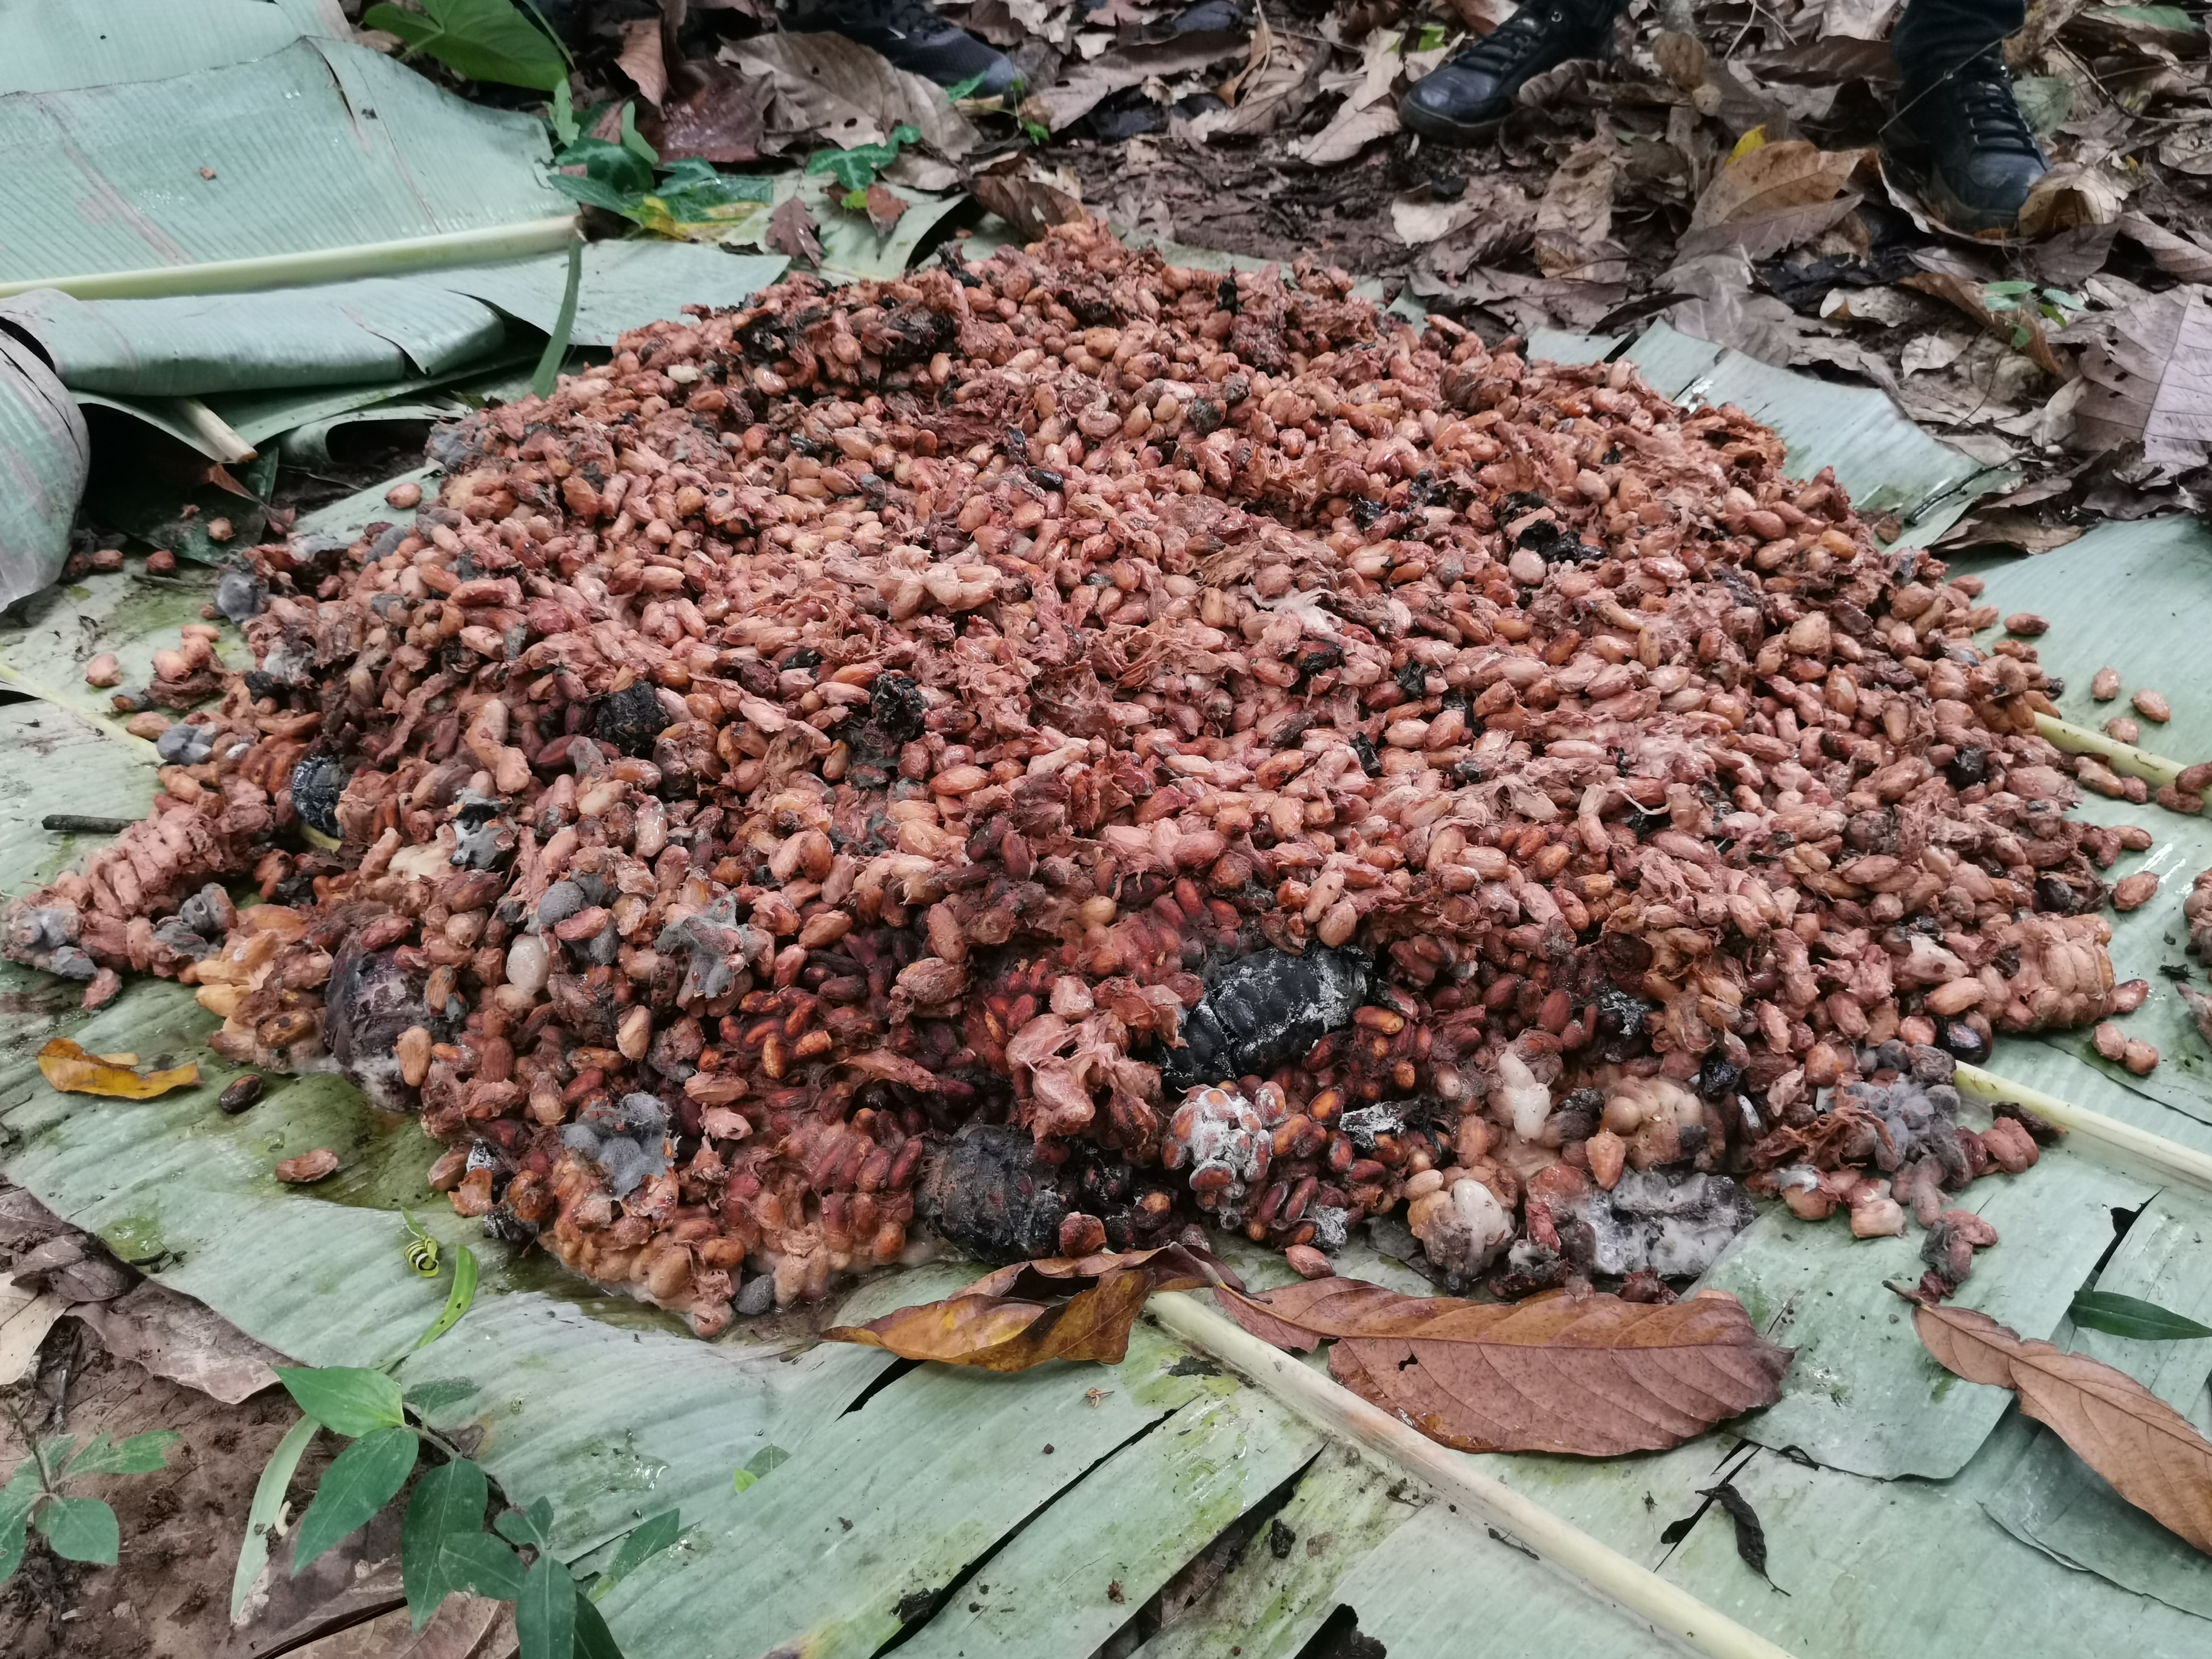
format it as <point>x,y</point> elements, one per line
<point>74,1071</point>
<point>127,1057</point>
<point>1750,141</point>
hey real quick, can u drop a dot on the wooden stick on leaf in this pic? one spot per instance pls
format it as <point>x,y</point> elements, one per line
<point>1335,1409</point>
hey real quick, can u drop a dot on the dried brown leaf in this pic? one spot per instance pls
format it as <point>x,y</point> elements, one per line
<point>642,59</point>
<point>1000,1324</point>
<point>1682,57</point>
<point>1030,206</point>
<point>74,1071</point>
<point>2144,1447</point>
<point>1966,294</point>
<point>885,206</point>
<point>1828,61</point>
<point>1575,214</point>
<point>1857,20</point>
<point>719,115</point>
<point>1761,236</point>
<point>1594,1377</point>
<point>2071,196</point>
<point>791,232</point>
<point>1790,174</point>
<point>2185,256</point>
<point>2150,380</point>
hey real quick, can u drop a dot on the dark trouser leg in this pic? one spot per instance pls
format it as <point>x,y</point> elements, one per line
<point>1934,37</point>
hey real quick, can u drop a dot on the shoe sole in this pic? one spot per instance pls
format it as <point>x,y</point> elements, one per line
<point>1445,130</point>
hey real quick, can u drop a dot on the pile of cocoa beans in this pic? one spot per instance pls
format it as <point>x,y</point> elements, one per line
<point>885,711</point>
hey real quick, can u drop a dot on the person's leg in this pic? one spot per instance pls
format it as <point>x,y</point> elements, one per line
<point>1466,97</point>
<point>913,38</point>
<point>1958,134</point>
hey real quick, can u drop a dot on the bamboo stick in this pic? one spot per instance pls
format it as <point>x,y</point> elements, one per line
<point>2168,1156</point>
<point>2124,757</point>
<point>1329,1406</point>
<point>213,430</point>
<point>329,265</point>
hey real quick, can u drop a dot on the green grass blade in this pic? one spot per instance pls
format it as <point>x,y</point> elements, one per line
<point>465,1259</point>
<point>268,1503</point>
<point>2129,1316</point>
<point>549,365</point>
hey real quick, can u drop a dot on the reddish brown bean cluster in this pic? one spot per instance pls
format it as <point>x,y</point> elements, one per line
<point>881,709</point>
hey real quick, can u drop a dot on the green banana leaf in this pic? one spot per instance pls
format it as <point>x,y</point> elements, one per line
<point>44,454</point>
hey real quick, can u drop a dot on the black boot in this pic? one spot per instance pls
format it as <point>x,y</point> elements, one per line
<point>1466,97</point>
<point>1961,140</point>
<point>913,38</point>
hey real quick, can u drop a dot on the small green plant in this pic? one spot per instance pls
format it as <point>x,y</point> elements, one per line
<point>479,39</point>
<point>856,168</point>
<point>444,1545</point>
<point>76,1528</point>
<point>1036,132</point>
<point>625,176</point>
<point>2054,304</point>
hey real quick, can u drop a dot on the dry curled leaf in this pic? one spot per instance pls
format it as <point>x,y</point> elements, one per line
<point>642,59</point>
<point>2150,380</point>
<point>720,115</point>
<point>885,206</point>
<point>2186,257</point>
<point>999,1323</point>
<point>791,232</point>
<point>74,1071</point>
<point>2127,1434</point>
<point>2069,197</point>
<point>1968,295</point>
<point>1574,217</point>
<point>1594,1377</point>
<point>1030,206</point>
<point>1789,174</point>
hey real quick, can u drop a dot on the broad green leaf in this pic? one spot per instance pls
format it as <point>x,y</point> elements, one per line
<point>856,168</point>
<point>2157,17</point>
<point>633,140</point>
<point>762,1462</point>
<point>966,88</point>
<point>563,118</point>
<point>344,1399</point>
<point>2128,1316</point>
<point>360,1480</point>
<point>54,1452</point>
<point>49,448</point>
<point>1432,36</point>
<point>533,1525</point>
<point>2047,101</point>
<point>594,1639</point>
<point>80,1529</point>
<point>428,1398</point>
<point>478,1562</point>
<point>614,165</point>
<point>465,1260</point>
<point>268,1505</point>
<point>142,1454</point>
<point>2013,287</point>
<point>594,192</point>
<point>22,1492</point>
<point>477,39</point>
<point>653,1534</point>
<point>545,1612</point>
<point>12,1530</point>
<point>542,382</point>
<point>447,1499</point>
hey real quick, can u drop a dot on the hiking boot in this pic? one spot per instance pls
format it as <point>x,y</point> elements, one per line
<point>913,38</point>
<point>1469,96</point>
<point>1961,140</point>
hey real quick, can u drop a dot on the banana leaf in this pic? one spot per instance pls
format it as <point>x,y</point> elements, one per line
<point>920,1506</point>
<point>44,454</point>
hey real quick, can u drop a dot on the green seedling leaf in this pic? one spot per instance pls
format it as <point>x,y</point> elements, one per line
<point>761,1463</point>
<point>2046,100</point>
<point>563,118</point>
<point>618,168</point>
<point>533,1525</point>
<point>633,140</point>
<point>2128,1316</point>
<point>447,1499</point>
<point>593,193</point>
<point>477,39</point>
<point>960,89</point>
<point>2157,17</point>
<point>1038,133</point>
<point>426,1399</point>
<point>80,1529</point>
<point>2059,296</point>
<point>268,1503</point>
<point>549,365</point>
<point>1432,36</point>
<point>53,1453</point>
<point>856,168</point>
<point>344,1399</point>
<point>12,1539</point>
<point>2021,337</point>
<point>477,1562</point>
<point>21,1493</point>
<point>545,1612</point>
<point>360,1480</point>
<point>2013,288</point>
<point>142,1454</point>
<point>594,1639</point>
<point>651,1535</point>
